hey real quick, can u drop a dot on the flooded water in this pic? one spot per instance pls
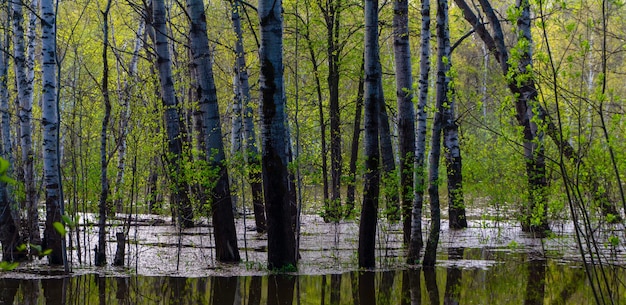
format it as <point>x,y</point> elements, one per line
<point>488,263</point>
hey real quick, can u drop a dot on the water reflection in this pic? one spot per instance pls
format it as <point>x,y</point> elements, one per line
<point>524,279</point>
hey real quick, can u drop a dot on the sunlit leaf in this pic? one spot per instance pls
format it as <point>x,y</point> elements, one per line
<point>59,227</point>
<point>21,247</point>
<point>8,266</point>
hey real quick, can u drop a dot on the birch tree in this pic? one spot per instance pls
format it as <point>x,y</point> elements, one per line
<point>441,87</point>
<point>251,154</point>
<point>53,240</point>
<point>416,242</point>
<point>24,74</point>
<point>529,114</point>
<point>406,111</point>
<point>371,186</point>
<point>100,256</point>
<point>174,127</point>
<point>281,245</point>
<point>220,198</point>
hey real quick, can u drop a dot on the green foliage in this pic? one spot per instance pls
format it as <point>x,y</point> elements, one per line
<point>4,167</point>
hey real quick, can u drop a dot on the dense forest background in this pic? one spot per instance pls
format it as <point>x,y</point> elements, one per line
<point>115,142</point>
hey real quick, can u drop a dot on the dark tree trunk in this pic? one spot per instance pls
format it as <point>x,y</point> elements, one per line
<point>280,289</point>
<point>281,244</point>
<point>406,111</point>
<point>371,187</point>
<point>220,198</point>
<point>416,243</point>
<point>354,150</point>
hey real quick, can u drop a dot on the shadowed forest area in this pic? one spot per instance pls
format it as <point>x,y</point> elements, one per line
<point>246,150</point>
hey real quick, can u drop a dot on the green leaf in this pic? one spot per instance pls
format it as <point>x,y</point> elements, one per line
<point>46,252</point>
<point>21,247</point>
<point>59,227</point>
<point>8,266</point>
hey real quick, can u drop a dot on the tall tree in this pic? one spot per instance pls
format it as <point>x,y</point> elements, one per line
<point>354,149</point>
<point>416,242</point>
<point>406,111</point>
<point>53,240</point>
<point>101,259</point>
<point>249,135</point>
<point>441,87</point>
<point>452,151</point>
<point>281,244</point>
<point>220,198</point>
<point>371,177</point>
<point>331,9</point>
<point>174,127</point>
<point>9,231</point>
<point>529,114</point>
<point>24,70</point>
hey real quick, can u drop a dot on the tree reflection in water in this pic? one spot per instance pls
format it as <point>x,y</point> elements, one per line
<point>530,279</point>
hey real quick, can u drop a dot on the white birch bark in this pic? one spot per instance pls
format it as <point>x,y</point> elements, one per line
<point>124,96</point>
<point>416,242</point>
<point>251,155</point>
<point>24,74</point>
<point>173,122</point>
<point>50,126</point>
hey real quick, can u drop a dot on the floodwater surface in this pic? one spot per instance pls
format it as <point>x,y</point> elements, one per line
<point>488,263</point>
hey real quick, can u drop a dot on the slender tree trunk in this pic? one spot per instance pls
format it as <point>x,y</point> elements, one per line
<point>320,107</point>
<point>416,243</point>
<point>452,151</point>
<point>371,187</point>
<point>354,150</point>
<point>221,202</point>
<point>174,127</point>
<point>281,243</point>
<point>50,125</point>
<point>406,111</point>
<point>124,96</point>
<point>533,118</point>
<point>528,110</point>
<point>251,155</point>
<point>24,70</point>
<point>101,259</point>
<point>443,80</point>
<point>9,232</point>
<point>389,177</point>
<point>333,22</point>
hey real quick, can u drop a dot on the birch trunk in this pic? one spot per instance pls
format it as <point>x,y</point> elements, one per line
<point>526,105</point>
<point>219,197</point>
<point>124,96</point>
<point>371,187</point>
<point>406,111</point>
<point>249,135</point>
<point>174,128</point>
<point>534,151</point>
<point>280,234</point>
<point>452,151</point>
<point>24,74</point>
<point>416,243</point>
<point>9,232</point>
<point>442,83</point>
<point>100,259</point>
<point>50,126</point>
